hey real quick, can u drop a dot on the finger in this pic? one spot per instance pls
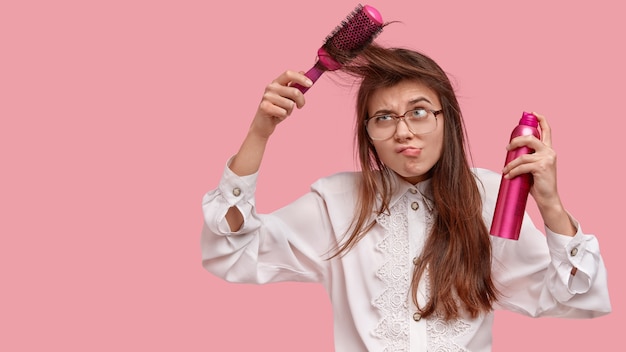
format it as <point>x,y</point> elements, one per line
<point>284,105</point>
<point>291,93</point>
<point>289,78</point>
<point>546,132</point>
<point>513,167</point>
<point>527,141</point>
<point>518,170</point>
<point>272,110</point>
<point>286,77</point>
<point>536,163</point>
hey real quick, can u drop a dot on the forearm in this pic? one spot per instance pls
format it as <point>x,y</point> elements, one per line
<point>248,159</point>
<point>556,218</point>
<point>278,102</point>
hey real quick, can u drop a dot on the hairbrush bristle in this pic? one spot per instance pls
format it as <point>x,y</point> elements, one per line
<point>348,39</point>
<point>353,34</point>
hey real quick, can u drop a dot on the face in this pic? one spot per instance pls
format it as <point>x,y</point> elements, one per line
<point>410,156</point>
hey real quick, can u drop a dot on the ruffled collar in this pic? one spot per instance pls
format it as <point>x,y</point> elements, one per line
<point>400,187</point>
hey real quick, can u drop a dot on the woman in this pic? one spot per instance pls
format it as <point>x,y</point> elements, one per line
<point>402,246</point>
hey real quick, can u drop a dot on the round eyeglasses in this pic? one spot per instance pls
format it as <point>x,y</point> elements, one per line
<point>419,121</point>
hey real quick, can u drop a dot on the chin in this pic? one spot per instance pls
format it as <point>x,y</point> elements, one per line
<point>415,177</point>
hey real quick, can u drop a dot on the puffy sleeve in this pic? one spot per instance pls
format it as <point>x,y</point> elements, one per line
<point>547,275</point>
<point>287,245</point>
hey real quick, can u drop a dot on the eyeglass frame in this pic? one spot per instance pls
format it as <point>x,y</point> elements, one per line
<point>399,118</point>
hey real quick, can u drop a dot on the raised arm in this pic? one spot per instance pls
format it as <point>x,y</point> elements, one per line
<point>278,102</point>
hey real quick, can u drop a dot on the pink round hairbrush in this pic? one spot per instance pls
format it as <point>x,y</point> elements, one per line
<point>354,33</point>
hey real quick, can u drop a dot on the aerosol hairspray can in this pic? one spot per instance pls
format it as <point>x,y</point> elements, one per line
<point>513,193</point>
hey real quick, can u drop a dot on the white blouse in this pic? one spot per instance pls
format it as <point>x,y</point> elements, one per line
<point>369,287</point>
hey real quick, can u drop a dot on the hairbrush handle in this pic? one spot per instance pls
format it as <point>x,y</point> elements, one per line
<point>313,74</point>
<point>323,64</point>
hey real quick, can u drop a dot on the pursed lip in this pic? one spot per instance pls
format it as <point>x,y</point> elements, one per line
<point>407,149</point>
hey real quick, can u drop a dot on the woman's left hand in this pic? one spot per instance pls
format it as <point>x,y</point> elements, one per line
<point>542,165</point>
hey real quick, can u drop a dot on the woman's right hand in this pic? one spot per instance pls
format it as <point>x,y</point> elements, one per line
<point>279,100</point>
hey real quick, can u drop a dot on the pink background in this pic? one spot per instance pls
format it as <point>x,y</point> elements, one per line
<point>117,116</point>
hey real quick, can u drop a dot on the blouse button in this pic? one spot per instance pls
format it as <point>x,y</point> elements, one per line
<point>415,206</point>
<point>236,192</point>
<point>417,316</point>
<point>412,190</point>
<point>574,251</point>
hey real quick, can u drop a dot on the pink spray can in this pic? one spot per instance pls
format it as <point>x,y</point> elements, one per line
<point>513,193</point>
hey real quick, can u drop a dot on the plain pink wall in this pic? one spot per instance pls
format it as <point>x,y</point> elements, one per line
<point>117,116</point>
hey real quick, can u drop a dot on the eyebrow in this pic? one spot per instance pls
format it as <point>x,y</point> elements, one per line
<point>420,99</point>
<point>411,102</point>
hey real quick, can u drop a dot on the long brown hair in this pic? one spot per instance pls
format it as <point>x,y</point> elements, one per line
<point>457,252</point>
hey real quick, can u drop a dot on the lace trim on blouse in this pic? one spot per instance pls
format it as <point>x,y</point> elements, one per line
<point>395,273</point>
<point>394,302</point>
<point>441,334</point>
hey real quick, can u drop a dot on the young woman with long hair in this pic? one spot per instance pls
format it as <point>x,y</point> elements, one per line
<point>403,246</point>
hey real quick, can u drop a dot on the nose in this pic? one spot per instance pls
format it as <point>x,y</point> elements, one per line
<point>402,130</point>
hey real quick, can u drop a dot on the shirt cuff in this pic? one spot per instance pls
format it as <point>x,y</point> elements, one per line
<point>573,258</point>
<point>237,189</point>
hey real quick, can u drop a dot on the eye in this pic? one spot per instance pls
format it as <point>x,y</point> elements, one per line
<point>418,113</point>
<point>383,118</point>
